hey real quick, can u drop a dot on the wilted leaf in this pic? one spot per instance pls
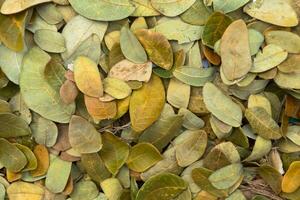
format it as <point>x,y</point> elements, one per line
<point>11,157</point>
<point>171,8</point>
<point>142,156</point>
<point>110,10</point>
<point>144,8</point>
<point>278,12</point>
<point>131,47</point>
<point>293,133</point>
<point>13,126</point>
<point>146,104</point>
<point>221,106</point>
<point>271,176</point>
<point>178,93</point>
<point>190,146</point>
<point>290,181</point>
<point>13,38</point>
<point>288,80</point>
<point>68,92</point>
<point>235,51</point>
<point>262,123</point>
<point>228,6</point>
<point>260,101</point>
<point>194,76</point>
<point>214,28</point>
<point>85,189</point>
<point>129,71</point>
<point>40,81</point>
<point>112,188</point>
<point>87,77</point>
<point>50,41</point>
<point>255,40</point>
<point>42,156</point>
<point>176,29</point>
<point>84,138</point>
<point>31,159</point>
<point>25,191</point>
<point>15,6</point>
<point>114,152</point>
<point>197,14</point>
<point>58,175</point>
<point>116,88</point>
<point>261,148</point>
<point>291,64</point>
<point>163,186</point>
<point>157,47</point>
<point>190,120</point>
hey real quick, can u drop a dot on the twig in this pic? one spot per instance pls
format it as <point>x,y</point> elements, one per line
<point>114,129</point>
<point>252,188</point>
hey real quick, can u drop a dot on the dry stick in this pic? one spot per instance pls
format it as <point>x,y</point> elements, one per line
<point>255,190</point>
<point>114,128</point>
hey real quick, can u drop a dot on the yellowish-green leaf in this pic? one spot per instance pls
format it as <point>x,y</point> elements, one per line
<point>50,41</point>
<point>25,191</point>
<point>261,148</point>
<point>228,6</point>
<point>235,51</point>
<point>190,120</point>
<point>257,100</point>
<point>291,64</point>
<point>116,88</point>
<point>146,104</point>
<point>172,8</point>
<point>40,82</point>
<point>83,137</point>
<point>13,126</point>
<point>197,14</point>
<point>143,156</point>
<point>288,80</point>
<point>286,40</point>
<point>178,93</point>
<point>143,8</point>
<point>271,176</point>
<point>85,189</point>
<point>31,159</point>
<point>15,6</point>
<point>293,133</point>
<point>290,181</point>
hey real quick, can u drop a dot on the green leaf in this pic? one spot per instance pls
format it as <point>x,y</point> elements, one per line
<point>83,137</point>
<point>31,159</point>
<point>164,186</point>
<point>190,120</point>
<point>15,6</point>
<point>131,47</point>
<point>50,41</point>
<point>40,81</point>
<point>221,106</point>
<point>288,80</point>
<point>143,9</point>
<point>77,30</point>
<point>262,123</point>
<point>176,29</point>
<point>10,63</point>
<point>227,176</point>
<point>293,133</point>
<point>114,152</point>
<point>84,189</point>
<point>271,56</point>
<point>261,148</point>
<point>214,28</point>
<point>11,157</point>
<point>194,76</point>
<point>172,8</point>
<point>256,39</point>
<point>235,51</point>
<point>110,10</point>
<point>112,188</point>
<point>190,146</point>
<point>271,176</point>
<point>50,13</point>
<point>228,6</point>
<point>12,37</point>
<point>162,131</point>
<point>116,88</point>
<point>146,104</point>
<point>143,156</point>
<point>237,195</point>
<point>197,14</point>
<point>13,126</point>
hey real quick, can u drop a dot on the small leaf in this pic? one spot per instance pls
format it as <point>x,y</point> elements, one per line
<point>50,41</point>
<point>13,126</point>
<point>228,6</point>
<point>172,8</point>
<point>271,176</point>
<point>84,189</point>
<point>190,120</point>
<point>84,138</point>
<point>163,186</point>
<point>114,152</point>
<point>197,14</point>
<point>112,188</point>
<point>157,47</point>
<point>293,133</point>
<point>42,156</point>
<point>214,28</point>
<point>178,93</point>
<point>87,77</point>
<point>261,148</point>
<point>262,123</point>
<point>31,159</point>
<point>143,156</point>
<point>221,106</point>
<point>116,88</point>
<point>150,97</point>
<point>15,6</point>
<point>131,47</point>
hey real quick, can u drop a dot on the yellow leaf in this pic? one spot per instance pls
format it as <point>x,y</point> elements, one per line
<point>291,179</point>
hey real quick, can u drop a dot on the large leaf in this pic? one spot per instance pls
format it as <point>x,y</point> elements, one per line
<point>162,131</point>
<point>15,6</point>
<point>10,63</point>
<point>278,12</point>
<point>114,152</point>
<point>84,138</point>
<point>11,157</point>
<point>87,77</point>
<point>157,47</point>
<point>164,186</point>
<point>58,175</point>
<point>214,28</point>
<point>228,6</point>
<point>194,76</point>
<point>25,191</point>
<point>221,106</point>
<point>131,47</point>
<point>110,10</point>
<point>262,123</point>
<point>227,176</point>
<point>290,181</point>
<point>143,156</point>
<point>40,81</point>
<point>77,30</point>
<point>13,37</point>
<point>190,146</point>
<point>176,29</point>
<point>13,126</point>
<point>235,51</point>
<point>146,104</point>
